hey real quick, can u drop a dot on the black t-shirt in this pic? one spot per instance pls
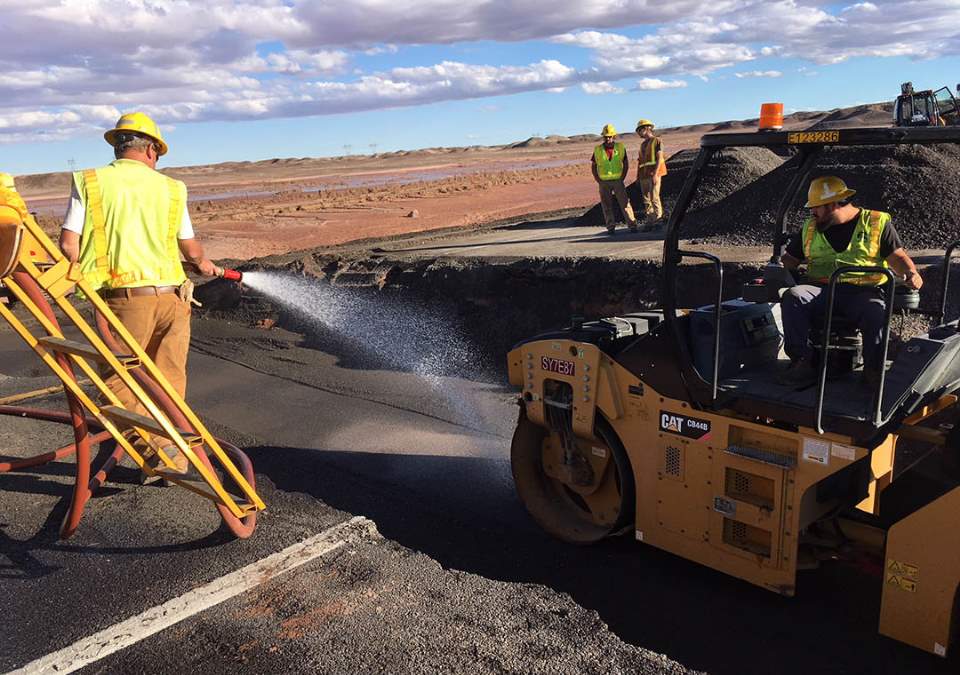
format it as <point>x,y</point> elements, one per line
<point>839,236</point>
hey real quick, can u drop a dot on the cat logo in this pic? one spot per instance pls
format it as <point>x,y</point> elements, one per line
<point>688,427</point>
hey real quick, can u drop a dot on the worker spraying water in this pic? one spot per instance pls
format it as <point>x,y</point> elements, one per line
<point>385,332</point>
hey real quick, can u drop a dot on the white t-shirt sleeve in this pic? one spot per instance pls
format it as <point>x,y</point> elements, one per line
<point>186,226</point>
<point>77,215</point>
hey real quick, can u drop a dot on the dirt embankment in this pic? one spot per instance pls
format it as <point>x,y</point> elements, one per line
<point>493,303</point>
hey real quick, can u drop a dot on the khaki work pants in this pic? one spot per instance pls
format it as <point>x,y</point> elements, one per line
<point>161,325</point>
<point>650,187</point>
<point>611,190</point>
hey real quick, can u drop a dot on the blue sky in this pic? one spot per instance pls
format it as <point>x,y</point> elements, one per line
<point>242,80</point>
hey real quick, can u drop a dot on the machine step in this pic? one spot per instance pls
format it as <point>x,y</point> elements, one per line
<point>130,419</point>
<point>65,346</point>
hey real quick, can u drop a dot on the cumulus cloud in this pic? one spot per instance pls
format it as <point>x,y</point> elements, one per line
<point>254,59</point>
<point>759,73</point>
<point>653,83</point>
<point>597,88</point>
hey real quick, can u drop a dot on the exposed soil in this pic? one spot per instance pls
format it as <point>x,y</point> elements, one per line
<point>248,209</point>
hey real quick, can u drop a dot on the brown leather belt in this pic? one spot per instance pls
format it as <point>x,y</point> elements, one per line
<point>130,292</point>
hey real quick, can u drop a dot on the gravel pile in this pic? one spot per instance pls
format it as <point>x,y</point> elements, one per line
<point>732,170</point>
<point>918,185</point>
<point>737,201</point>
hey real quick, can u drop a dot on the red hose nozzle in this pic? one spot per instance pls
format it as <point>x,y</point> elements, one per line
<point>232,275</point>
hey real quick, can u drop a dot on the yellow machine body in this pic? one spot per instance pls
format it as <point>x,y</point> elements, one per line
<point>731,493</point>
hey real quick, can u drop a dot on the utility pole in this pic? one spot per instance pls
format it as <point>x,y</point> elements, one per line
<point>72,163</point>
<point>347,148</point>
<point>373,148</point>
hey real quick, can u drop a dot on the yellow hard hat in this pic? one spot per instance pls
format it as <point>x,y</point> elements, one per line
<point>608,130</point>
<point>645,123</point>
<point>6,180</point>
<point>140,123</point>
<point>827,190</point>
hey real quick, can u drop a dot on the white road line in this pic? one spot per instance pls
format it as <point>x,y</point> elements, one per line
<point>152,621</point>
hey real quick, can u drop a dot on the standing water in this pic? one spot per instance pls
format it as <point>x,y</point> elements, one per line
<point>384,331</point>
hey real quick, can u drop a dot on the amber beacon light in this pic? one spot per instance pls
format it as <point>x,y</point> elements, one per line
<point>771,117</point>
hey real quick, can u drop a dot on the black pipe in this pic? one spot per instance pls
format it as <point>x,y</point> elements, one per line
<point>945,283</point>
<point>668,289</point>
<point>718,305</point>
<point>807,158</point>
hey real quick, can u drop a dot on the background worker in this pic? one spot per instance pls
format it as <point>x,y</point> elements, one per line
<point>651,167</point>
<point>127,225</point>
<point>839,233</point>
<point>609,165</point>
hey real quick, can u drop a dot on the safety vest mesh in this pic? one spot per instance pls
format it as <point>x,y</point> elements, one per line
<point>609,169</point>
<point>863,250</point>
<point>133,215</point>
<point>648,156</point>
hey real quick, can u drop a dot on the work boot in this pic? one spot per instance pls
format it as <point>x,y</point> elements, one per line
<point>611,229</point>
<point>800,373</point>
<point>633,226</point>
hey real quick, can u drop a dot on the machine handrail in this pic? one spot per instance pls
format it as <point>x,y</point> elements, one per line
<point>806,159</point>
<point>718,303</point>
<point>827,325</point>
<point>945,283</point>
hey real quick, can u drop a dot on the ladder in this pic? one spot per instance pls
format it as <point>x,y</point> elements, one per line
<point>36,273</point>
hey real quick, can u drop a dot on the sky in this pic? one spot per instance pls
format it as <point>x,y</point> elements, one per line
<point>231,80</point>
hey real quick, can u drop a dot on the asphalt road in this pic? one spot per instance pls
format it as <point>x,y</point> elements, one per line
<point>429,465</point>
<point>370,606</point>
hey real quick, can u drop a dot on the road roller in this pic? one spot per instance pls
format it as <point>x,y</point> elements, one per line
<point>671,424</point>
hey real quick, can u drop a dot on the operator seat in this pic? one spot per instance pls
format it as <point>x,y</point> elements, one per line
<point>846,342</point>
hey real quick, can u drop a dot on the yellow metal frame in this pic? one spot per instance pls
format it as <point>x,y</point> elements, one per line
<point>692,509</point>
<point>42,260</point>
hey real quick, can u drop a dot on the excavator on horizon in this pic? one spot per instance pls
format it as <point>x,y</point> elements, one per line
<point>672,425</point>
<point>925,108</point>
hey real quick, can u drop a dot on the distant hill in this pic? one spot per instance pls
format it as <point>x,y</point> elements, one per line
<point>874,114</point>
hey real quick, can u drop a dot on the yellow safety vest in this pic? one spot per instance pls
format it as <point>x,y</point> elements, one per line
<point>609,169</point>
<point>863,250</point>
<point>133,215</point>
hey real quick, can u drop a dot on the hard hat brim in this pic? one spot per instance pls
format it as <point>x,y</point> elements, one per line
<point>839,197</point>
<point>111,138</point>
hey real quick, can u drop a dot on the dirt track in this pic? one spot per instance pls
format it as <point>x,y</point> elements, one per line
<point>248,209</point>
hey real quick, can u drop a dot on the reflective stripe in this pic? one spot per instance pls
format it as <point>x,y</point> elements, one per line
<point>174,215</point>
<point>652,159</point>
<point>94,200</point>
<point>810,229</point>
<point>875,230</point>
